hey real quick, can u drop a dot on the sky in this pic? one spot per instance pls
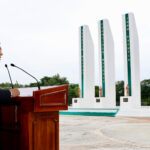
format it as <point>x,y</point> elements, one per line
<point>41,36</point>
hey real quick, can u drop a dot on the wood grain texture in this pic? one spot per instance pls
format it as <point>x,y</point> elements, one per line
<point>32,123</point>
<point>44,131</point>
<point>52,99</point>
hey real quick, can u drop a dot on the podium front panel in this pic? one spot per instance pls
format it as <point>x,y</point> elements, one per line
<point>52,99</point>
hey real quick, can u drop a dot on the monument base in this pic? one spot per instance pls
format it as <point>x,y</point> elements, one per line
<point>128,102</point>
<point>107,112</point>
<point>95,102</point>
<point>144,111</point>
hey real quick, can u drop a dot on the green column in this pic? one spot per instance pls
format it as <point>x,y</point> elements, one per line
<point>128,51</point>
<point>82,65</point>
<point>102,56</point>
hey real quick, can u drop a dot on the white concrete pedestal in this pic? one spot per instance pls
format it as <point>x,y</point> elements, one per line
<point>97,102</point>
<point>84,102</point>
<point>107,102</point>
<point>128,102</point>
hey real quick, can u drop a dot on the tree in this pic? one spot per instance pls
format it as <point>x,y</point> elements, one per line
<point>145,92</point>
<point>54,80</point>
<point>8,85</point>
<point>72,92</point>
<point>119,91</point>
<point>96,91</point>
<point>33,85</point>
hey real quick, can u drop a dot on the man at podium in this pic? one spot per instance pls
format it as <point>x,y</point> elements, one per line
<point>5,95</point>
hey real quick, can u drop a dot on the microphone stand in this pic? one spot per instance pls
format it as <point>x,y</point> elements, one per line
<point>28,74</point>
<point>9,76</point>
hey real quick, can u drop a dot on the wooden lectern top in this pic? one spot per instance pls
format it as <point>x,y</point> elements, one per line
<point>51,99</point>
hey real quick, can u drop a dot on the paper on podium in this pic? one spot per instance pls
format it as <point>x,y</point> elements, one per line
<point>29,90</point>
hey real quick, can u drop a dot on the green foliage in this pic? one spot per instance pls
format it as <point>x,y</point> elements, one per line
<point>5,85</point>
<point>119,91</point>
<point>33,85</point>
<point>54,80</point>
<point>8,85</point>
<point>72,92</point>
<point>96,91</point>
<point>145,92</point>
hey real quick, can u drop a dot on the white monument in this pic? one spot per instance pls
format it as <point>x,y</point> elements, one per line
<point>132,92</point>
<point>86,70</point>
<point>106,65</point>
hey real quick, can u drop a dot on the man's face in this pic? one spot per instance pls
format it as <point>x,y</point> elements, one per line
<point>1,53</point>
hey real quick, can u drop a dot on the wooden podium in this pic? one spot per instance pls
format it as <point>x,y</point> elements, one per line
<point>32,123</point>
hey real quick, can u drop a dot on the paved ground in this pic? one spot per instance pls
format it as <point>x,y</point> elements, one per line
<point>104,133</point>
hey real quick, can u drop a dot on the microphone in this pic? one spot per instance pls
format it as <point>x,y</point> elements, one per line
<point>28,74</point>
<point>9,76</point>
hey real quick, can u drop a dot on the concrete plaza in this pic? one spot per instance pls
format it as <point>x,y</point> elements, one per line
<point>104,133</point>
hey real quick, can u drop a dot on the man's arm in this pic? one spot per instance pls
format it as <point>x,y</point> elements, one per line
<point>5,96</point>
